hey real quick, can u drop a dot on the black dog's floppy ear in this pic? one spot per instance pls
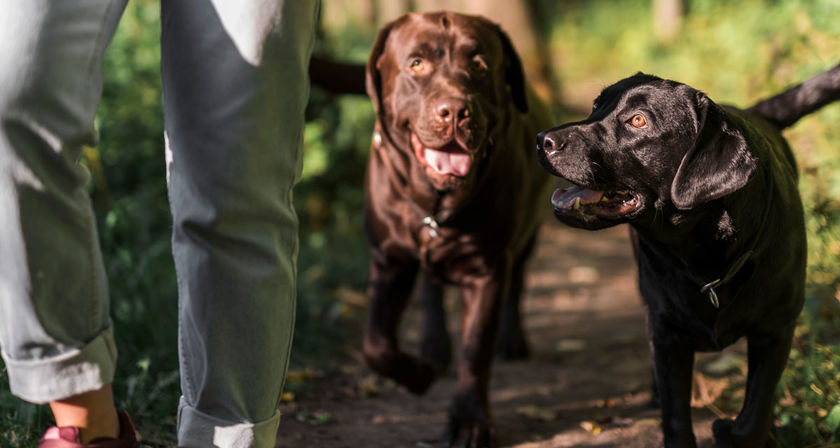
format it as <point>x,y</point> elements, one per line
<point>373,79</point>
<point>514,74</point>
<point>718,164</point>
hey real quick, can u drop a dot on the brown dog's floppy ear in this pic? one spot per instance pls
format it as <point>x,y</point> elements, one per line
<point>373,79</point>
<point>514,74</point>
<point>718,164</point>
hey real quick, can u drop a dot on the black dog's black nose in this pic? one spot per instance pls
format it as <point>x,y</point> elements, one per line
<point>548,143</point>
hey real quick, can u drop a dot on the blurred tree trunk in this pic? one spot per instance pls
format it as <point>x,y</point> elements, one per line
<point>514,16</point>
<point>337,14</point>
<point>388,10</point>
<point>667,19</point>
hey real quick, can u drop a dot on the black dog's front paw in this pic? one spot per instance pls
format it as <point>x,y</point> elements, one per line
<point>468,433</point>
<point>722,430</point>
<point>724,437</point>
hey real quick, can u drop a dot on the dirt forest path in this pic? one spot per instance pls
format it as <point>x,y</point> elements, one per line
<point>587,383</point>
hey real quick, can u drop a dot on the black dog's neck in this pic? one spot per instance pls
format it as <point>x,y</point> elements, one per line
<point>708,243</point>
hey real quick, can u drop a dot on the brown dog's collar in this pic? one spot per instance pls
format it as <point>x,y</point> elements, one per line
<point>432,224</point>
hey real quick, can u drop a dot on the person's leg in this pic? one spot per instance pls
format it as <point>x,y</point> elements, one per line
<point>92,412</point>
<point>235,87</point>
<point>55,329</point>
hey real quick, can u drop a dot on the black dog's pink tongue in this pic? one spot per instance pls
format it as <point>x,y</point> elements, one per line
<point>574,196</point>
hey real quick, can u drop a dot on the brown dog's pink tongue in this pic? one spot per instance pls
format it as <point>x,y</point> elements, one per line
<point>456,163</point>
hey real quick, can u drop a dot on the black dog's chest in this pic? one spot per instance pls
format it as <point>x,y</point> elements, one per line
<point>692,316</point>
<point>711,319</point>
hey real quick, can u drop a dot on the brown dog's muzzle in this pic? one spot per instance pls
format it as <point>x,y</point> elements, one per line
<point>448,136</point>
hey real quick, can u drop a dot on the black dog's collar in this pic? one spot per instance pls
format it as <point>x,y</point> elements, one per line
<point>709,288</point>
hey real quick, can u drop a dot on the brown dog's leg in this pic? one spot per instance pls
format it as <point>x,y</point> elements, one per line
<point>389,291</point>
<point>767,357</point>
<point>512,342</point>
<point>673,363</point>
<point>470,424</point>
<point>435,346</point>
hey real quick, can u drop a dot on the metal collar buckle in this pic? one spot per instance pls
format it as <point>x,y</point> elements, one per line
<point>432,225</point>
<point>709,288</point>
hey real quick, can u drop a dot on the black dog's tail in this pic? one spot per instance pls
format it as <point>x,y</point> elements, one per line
<point>786,108</point>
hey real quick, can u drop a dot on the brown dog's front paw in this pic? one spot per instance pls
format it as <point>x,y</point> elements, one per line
<point>423,374</point>
<point>416,374</point>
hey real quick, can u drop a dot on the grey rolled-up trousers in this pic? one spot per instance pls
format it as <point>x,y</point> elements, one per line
<point>234,89</point>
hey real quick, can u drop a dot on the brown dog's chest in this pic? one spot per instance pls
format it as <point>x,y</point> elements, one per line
<point>453,251</point>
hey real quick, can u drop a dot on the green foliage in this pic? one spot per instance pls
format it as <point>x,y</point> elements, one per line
<point>333,252</point>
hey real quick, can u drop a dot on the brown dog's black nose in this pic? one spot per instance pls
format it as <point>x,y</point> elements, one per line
<point>448,109</point>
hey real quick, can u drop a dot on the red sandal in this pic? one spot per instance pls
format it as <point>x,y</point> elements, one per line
<point>69,437</point>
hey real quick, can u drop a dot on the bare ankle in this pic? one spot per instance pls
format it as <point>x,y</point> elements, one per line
<point>92,412</point>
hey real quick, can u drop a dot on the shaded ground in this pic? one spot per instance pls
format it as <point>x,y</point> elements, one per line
<point>586,385</point>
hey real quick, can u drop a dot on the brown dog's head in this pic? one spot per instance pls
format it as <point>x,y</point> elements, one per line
<point>440,83</point>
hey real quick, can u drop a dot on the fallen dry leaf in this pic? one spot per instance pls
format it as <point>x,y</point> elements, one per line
<point>537,413</point>
<point>591,427</point>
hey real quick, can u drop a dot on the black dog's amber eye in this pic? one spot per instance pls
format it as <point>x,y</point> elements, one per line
<point>638,121</point>
<point>417,65</point>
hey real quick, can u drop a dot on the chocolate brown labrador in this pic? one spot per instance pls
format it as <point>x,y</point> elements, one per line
<point>453,197</point>
<point>710,194</point>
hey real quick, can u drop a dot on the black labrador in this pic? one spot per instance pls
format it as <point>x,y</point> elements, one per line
<point>710,193</point>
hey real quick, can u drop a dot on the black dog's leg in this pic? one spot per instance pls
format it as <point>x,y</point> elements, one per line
<point>389,290</point>
<point>673,363</point>
<point>767,357</point>
<point>512,343</point>
<point>470,422</point>
<point>435,346</point>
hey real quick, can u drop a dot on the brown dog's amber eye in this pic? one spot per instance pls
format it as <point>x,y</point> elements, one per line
<point>638,121</point>
<point>478,64</point>
<point>416,65</point>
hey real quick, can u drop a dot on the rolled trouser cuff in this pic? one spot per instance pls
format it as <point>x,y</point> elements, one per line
<point>202,430</point>
<point>73,372</point>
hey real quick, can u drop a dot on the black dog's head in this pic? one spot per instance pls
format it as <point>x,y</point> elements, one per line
<point>649,146</point>
<point>440,83</point>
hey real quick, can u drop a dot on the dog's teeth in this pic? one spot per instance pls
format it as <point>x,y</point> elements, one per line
<point>577,204</point>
